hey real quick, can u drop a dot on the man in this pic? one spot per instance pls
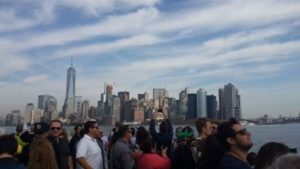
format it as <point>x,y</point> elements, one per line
<point>73,143</point>
<point>121,156</point>
<point>8,147</point>
<point>60,146</point>
<point>236,141</point>
<point>165,135</point>
<point>204,129</point>
<point>89,153</point>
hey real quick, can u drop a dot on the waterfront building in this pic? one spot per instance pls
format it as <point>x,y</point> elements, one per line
<point>212,112</point>
<point>192,106</point>
<point>230,102</point>
<point>201,103</point>
<point>69,104</point>
<point>183,101</point>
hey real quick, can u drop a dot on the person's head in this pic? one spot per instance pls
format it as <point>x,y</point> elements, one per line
<point>55,128</point>
<point>117,125</point>
<point>251,157</point>
<point>184,134</point>
<point>147,145</point>
<point>125,132</point>
<point>19,128</point>
<point>132,129</point>
<point>203,127</point>
<point>41,129</point>
<point>268,154</point>
<point>287,161</point>
<point>163,127</point>
<point>78,129</point>
<point>63,134</point>
<point>214,127</point>
<point>91,129</point>
<point>8,145</point>
<point>141,135</point>
<point>233,136</point>
<point>100,132</point>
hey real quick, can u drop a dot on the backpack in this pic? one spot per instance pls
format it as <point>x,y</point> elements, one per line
<point>183,156</point>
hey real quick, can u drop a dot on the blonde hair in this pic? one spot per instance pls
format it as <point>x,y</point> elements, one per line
<point>42,155</point>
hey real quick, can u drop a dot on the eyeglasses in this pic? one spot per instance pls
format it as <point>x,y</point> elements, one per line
<point>95,127</point>
<point>241,132</point>
<point>55,128</point>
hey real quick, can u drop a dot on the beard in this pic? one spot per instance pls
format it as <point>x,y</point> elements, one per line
<point>244,147</point>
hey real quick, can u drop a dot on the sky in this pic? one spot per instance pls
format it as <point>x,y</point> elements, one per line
<point>138,45</point>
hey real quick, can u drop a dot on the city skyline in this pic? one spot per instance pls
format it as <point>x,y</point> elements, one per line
<point>145,44</point>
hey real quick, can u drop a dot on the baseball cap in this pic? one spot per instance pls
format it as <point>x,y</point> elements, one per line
<point>40,128</point>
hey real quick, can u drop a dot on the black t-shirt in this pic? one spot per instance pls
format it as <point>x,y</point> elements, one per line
<point>62,151</point>
<point>231,162</point>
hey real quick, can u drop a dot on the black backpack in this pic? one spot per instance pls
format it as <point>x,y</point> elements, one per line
<point>183,156</point>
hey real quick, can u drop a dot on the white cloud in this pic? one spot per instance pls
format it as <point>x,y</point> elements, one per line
<point>139,40</point>
<point>10,22</point>
<point>35,79</point>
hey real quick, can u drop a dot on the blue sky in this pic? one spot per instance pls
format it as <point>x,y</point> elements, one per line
<point>143,44</point>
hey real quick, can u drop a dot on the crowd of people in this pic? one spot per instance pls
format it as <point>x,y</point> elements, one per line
<point>211,146</point>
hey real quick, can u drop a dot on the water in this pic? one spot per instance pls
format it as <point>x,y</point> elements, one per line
<point>287,134</point>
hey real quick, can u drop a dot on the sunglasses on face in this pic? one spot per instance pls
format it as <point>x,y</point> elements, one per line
<point>241,132</point>
<point>96,127</point>
<point>55,128</point>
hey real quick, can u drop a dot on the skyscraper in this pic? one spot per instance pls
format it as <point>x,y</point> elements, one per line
<point>211,107</point>
<point>69,104</point>
<point>230,103</point>
<point>124,97</point>
<point>183,99</point>
<point>160,99</point>
<point>85,109</point>
<point>201,103</point>
<point>28,112</point>
<point>192,106</point>
<point>48,104</point>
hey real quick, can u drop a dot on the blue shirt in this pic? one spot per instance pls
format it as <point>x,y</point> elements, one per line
<point>231,162</point>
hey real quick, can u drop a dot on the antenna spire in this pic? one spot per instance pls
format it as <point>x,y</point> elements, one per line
<point>71,61</point>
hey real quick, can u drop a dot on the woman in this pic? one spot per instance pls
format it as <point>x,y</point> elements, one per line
<point>149,159</point>
<point>41,155</point>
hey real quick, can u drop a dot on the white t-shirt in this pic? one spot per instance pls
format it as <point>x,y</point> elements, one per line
<point>88,148</point>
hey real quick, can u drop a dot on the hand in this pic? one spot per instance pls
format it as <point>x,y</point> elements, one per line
<point>165,115</point>
<point>154,115</point>
<point>164,150</point>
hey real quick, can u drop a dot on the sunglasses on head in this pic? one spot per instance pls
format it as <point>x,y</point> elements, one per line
<point>55,128</point>
<point>241,132</point>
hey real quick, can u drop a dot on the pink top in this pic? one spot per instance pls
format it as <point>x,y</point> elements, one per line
<point>153,161</point>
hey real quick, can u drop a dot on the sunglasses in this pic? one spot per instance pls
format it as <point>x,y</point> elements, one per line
<point>241,132</point>
<point>55,128</point>
<point>95,127</point>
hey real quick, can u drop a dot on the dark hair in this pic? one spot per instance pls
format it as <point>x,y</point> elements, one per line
<point>212,154</point>
<point>225,130</point>
<point>200,123</point>
<point>123,129</point>
<point>268,154</point>
<point>132,129</point>
<point>8,144</point>
<point>251,157</point>
<point>147,144</point>
<point>19,128</point>
<point>76,127</point>
<point>141,135</point>
<point>88,125</point>
<point>163,127</point>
